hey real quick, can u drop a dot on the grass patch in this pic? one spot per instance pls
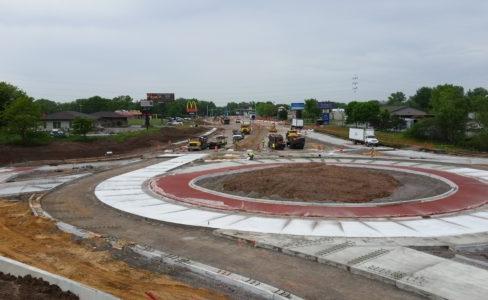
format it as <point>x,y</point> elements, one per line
<point>38,138</point>
<point>396,140</point>
<point>141,122</point>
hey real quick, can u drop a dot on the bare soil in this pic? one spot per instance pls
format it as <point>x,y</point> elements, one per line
<point>313,182</point>
<point>38,242</point>
<point>59,150</point>
<point>253,141</point>
<point>28,287</point>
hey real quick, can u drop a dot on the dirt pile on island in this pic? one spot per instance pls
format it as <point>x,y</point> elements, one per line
<point>27,287</point>
<point>59,150</point>
<point>312,182</point>
<point>38,242</point>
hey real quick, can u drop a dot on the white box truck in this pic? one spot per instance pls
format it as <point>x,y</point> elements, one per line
<point>297,123</point>
<point>363,136</point>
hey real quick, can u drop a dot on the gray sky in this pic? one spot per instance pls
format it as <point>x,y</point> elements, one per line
<point>241,50</point>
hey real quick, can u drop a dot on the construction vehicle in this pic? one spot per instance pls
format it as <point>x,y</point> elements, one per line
<point>237,135</point>
<point>276,141</point>
<point>294,140</point>
<point>219,142</point>
<point>273,128</point>
<point>246,127</point>
<point>197,143</point>
<point>363,135</point>
<point>226,121</point>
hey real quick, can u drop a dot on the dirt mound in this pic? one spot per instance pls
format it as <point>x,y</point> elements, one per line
<point>312,182</point>
<point>38,242</point>
<point>254,140</point>
<point>60,150</point>
<point>28,287</point>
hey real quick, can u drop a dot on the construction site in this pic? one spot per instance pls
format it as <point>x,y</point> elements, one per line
<point>245,209</point>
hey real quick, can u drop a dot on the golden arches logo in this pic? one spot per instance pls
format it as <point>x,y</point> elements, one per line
<point>191,107</point>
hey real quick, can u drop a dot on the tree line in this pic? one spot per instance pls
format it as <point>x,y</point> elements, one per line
<point>454,116</point>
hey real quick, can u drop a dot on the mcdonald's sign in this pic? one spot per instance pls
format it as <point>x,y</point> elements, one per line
<point>191,107</point>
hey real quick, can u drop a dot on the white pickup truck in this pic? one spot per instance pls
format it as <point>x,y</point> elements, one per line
<point>363,136</point>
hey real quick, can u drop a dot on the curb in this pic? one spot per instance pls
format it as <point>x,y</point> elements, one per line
<point>246,284</point>
<point>424,274</point>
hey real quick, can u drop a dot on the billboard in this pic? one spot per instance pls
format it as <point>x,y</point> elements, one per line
<point>297,106</point>
<point>145,103</point>
<point>327,105</point>
<point>160,97</point>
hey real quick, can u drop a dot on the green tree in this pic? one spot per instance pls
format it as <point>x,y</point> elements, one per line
<point>312,110</point>
<point>383,120</point>
<point>351,112</point>
<point>22,116</point>
<point>82,125</point>
<point>363,112</point>
<point>397,98</point>
<point>421,99</point>
<point>9,93</point>
<point>47,106</point>
<point>478,101</point>
<point>266,109</point>
<point>450,110</point>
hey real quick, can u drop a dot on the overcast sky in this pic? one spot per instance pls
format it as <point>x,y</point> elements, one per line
<point>280,51</point>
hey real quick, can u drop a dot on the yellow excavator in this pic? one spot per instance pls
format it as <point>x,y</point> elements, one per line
<point>294,139</point>
<point>246,127</point>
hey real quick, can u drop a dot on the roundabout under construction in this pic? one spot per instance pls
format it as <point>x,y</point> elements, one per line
<point>293,224</point>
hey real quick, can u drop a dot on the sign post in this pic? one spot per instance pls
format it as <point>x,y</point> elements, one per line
<point>146,111</point>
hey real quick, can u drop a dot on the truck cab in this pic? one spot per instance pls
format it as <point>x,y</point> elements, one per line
<point>371,140</point>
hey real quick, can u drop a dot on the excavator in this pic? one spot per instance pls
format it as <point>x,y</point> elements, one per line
<point>294,140</point>
<point>246,127</point>
<point>197,143</point>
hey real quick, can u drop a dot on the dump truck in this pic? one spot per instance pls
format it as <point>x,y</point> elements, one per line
<point>276,141</point>
<point>294,140</point>
<point>197,143</point>
<point>363,136</point>
<point>246,127</point>
<point>220,141</point>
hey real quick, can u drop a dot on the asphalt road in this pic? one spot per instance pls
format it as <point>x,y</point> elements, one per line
<point>76,204</point>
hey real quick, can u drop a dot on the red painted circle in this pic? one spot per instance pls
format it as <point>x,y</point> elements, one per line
<point>471,194</point>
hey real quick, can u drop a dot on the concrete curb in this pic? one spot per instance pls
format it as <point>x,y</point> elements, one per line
<point>246,284</point>
<point>16,268</point>
<point>407,269</point>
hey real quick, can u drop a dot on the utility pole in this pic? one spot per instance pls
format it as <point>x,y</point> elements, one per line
<point>355,85</point>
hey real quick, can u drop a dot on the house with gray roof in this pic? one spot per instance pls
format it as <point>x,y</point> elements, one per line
<point>409,114</point>
<point>63,120</point>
